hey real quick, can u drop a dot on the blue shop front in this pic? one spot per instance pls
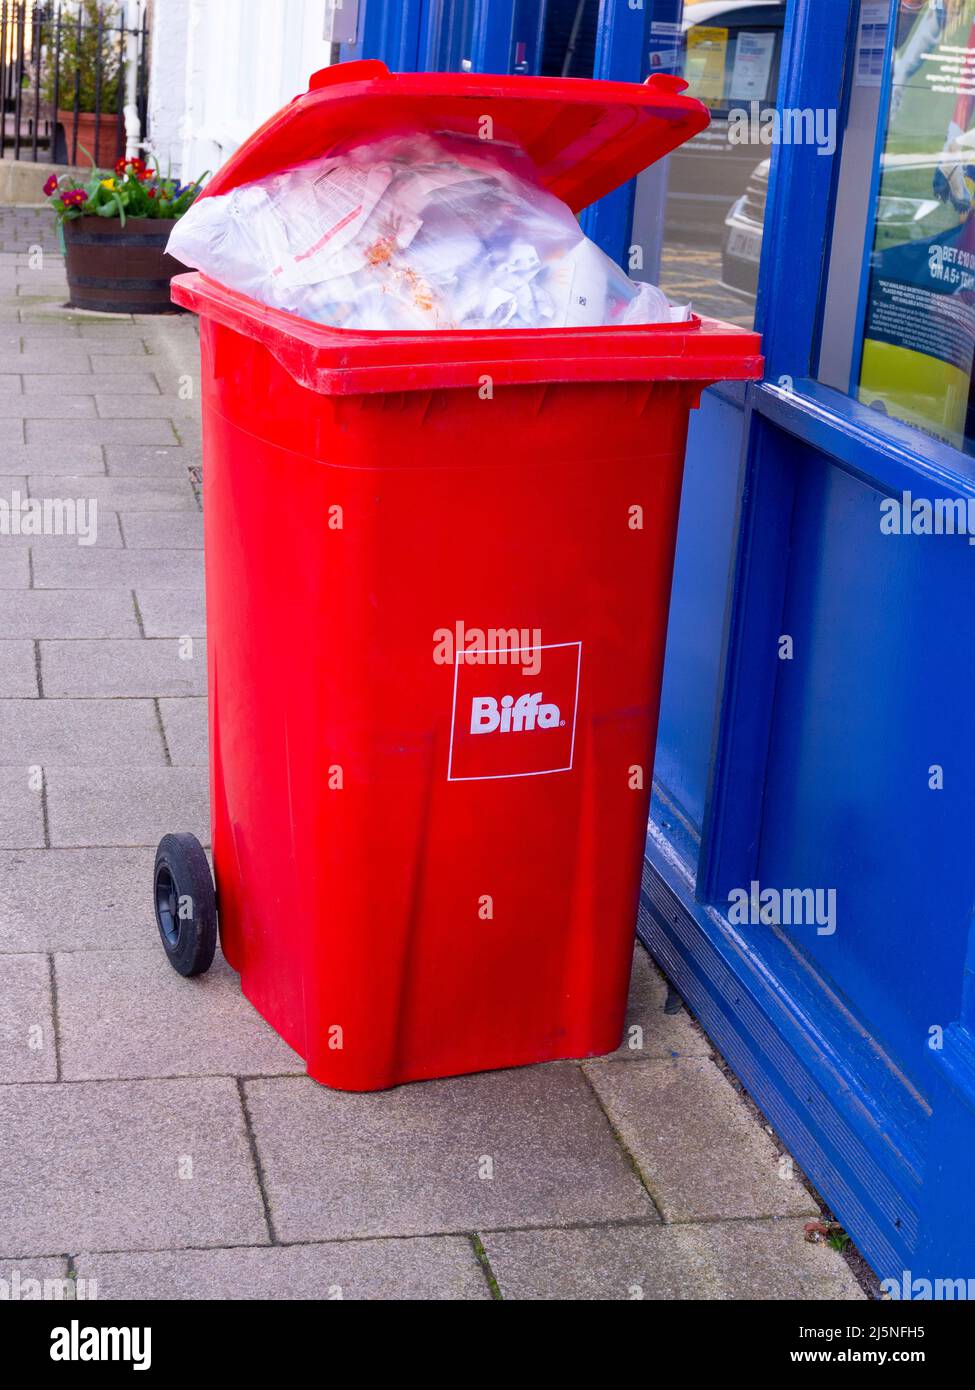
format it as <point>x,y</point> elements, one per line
<point>809,883</point>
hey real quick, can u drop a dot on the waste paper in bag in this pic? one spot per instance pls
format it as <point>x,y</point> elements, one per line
<point>413,232</point>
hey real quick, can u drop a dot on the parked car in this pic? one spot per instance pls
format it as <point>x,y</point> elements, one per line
<point>709,175</point>
<point>907,210</point>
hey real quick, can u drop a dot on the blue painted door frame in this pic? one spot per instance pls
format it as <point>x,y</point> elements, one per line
<point>791,779</point>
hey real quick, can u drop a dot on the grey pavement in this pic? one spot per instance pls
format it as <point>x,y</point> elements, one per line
<point>159,1140</point>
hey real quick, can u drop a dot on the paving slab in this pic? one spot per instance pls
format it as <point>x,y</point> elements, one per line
<point>89,806</point>
<point>435,1269</point>
<point>98,528</point>
<point>41,890</point>
<point>28,1050</point>
<point>18,669</point>
<point>50,406</point>
<point>649,1032</point>
<point>134,383</point>
<point>153,666</point>
<point>112,569</point>
<point>134,430</point>
<point>185,727</point>
<point>80,733</point>
<point>700,1152</point>
<point>409,1161</point>
<point>126,1165</point>
<point>169,407</point>
<point>14,568</point>
<point>67,614</point>
<point>128,1014</point>
<point>116,365</point>
<point>172,612</point>
<point>21,810</point>
<point>719,1261</point>
<point>153,463</point>
<point>172,496</point>
<point>163,530</point>
<point>87,460</point>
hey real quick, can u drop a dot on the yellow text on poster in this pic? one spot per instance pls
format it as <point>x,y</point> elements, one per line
<point>707,53</point>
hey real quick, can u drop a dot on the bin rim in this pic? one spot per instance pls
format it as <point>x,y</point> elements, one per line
<point>339,361</point>
<point>584,136</point>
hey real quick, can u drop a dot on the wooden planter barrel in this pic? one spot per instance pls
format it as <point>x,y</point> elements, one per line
<point>120,270</point>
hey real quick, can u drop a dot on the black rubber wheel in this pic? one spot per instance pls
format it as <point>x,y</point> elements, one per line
<point>185,903</point>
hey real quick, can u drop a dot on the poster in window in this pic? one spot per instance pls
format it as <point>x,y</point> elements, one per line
<point>919,325</point>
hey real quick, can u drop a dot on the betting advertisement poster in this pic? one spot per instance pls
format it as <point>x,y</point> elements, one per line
<point>919,324</point>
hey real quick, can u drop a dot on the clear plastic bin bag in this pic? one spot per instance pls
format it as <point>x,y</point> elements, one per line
<point>413,232</point>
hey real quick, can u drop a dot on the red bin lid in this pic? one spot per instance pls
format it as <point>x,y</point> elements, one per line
<point>584,137</point>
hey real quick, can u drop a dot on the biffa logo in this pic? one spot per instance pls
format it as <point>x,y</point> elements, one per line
<point>511,716</point>
<point>542,713</point>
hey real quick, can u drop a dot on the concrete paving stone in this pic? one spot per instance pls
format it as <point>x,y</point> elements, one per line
<point>700,1152</point>
<point>649,1032</point>
<point>127,1014</point>
<point>18,670</point>
<point>28,1050</point>
<point>49,359</point>
<point>162,530</point>
<point>44,311</point>
<point>168,495</point>
<point>431,1268</point>
<point>102,524</point>
<point>104,343</point>
<point>21,811</point>
<point>10,385</point>
<point>723,1261</point>
<point>80,733</point>
<point>46,461</point>
<point>54,613</point>
<point>133,431</point>
<point>172,612</point>
<point>118,366</point>
<point>409,1161</point>
<point>153,463</point>
<point>31,1281</point>
<point>91,807</point>
<point>112,569</point>
<point>126,1165</point>
<point>14,568</point>
<point>154,666</point>
<point>185,726</point>
<point>12,431</point>
<point>169,407</point>
<point>134,383</point>
<point>38,914</point>
<point>48,407</point>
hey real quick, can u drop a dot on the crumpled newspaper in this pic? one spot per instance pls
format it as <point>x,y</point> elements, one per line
<point>414,232</point>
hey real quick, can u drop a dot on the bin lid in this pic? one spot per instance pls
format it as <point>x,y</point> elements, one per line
<point>584,137</point>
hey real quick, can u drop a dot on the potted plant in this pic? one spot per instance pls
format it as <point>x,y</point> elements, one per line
<point>114,228</point>
<point>90,68</point>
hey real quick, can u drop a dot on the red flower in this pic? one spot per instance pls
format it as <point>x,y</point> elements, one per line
<point>51,185</point>
<point>133,166</point>
<point>152,193</point>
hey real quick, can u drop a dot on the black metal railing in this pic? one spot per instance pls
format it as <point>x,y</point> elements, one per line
<point>62,80</point>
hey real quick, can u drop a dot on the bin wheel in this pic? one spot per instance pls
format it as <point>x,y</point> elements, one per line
<point>185,903</point>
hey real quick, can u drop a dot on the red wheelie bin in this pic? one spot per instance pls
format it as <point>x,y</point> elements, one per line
<point>438,568</point>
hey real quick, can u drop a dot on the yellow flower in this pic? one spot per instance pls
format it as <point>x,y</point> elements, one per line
<point>108,183</point>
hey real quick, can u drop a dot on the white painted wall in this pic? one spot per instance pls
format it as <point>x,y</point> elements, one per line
<point>219,68</point>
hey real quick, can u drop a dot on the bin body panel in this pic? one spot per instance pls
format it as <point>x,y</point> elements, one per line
<point>404,898</point>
